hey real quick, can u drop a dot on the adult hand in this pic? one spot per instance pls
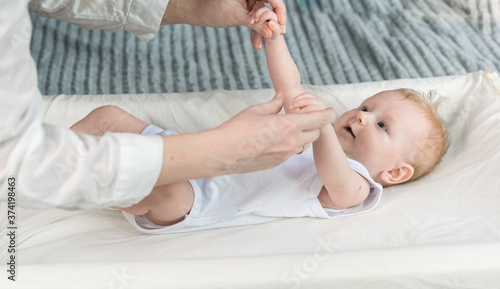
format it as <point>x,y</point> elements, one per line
<point>223,13</point>
<point>257,138</point>
<point>264,139</point>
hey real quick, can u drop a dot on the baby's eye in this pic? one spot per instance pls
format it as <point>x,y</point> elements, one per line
<point>382,126</point>
<point>364,109</point>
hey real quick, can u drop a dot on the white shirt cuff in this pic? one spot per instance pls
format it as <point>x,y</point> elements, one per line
<point>142,22</point>
<point>132,188</point>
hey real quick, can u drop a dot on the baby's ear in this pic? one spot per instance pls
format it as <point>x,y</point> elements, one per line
<point>397,175</point>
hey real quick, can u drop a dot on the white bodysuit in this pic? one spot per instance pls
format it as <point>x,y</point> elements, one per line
<point>289,190</point>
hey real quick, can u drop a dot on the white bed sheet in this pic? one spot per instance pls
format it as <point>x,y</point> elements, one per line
<point>442,231</point>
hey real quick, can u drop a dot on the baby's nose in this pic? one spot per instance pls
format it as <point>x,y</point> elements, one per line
<point>361,117</point>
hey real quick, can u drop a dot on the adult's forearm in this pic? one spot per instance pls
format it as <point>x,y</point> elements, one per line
<point>213,13</point>
<point>192,156</point>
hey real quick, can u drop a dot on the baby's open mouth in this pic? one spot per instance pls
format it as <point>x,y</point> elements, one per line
<point>348,128</point>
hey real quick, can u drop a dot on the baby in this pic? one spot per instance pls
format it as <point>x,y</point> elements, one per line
<point>392,137</point>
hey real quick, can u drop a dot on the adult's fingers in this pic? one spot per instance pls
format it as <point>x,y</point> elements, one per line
<point>310,136</point>
<point>314,119</point>
<point>307,104</point>
<point>302,148</point>
<point>256,39</point>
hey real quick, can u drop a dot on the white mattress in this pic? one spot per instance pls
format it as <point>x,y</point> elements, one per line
<point>442,231</point>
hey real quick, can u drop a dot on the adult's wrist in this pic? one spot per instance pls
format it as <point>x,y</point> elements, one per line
<point>178,12</point>
<point>192,156</point>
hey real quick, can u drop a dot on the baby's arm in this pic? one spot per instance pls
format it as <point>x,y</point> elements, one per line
<point>282,69</point>
<point>344,186</point>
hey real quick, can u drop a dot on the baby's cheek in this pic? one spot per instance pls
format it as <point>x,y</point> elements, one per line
<point>366,152</point>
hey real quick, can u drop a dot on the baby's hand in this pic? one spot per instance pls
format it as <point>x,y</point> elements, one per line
<point>307,102</point>
<point>266,16</point>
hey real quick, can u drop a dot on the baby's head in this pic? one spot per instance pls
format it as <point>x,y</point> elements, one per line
<point>397,135</point>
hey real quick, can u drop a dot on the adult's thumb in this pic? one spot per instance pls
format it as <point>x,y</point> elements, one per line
<point>256,39</point>
<point>274,105</point>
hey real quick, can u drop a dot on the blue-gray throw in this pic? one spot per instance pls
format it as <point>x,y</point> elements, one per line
<point>332,42</point>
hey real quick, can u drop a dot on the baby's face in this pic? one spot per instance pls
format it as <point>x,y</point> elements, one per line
<point>382,131</point>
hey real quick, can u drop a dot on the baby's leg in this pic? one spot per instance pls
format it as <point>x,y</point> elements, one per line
<point>165,205</point>
<point>109,119</point>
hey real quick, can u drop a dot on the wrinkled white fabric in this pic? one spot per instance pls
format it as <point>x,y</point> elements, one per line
<point>143,17</point>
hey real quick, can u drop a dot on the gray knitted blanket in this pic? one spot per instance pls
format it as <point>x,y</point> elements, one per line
<point>332,41</point>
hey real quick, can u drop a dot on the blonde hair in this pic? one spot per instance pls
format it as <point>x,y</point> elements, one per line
<point>431,150</point>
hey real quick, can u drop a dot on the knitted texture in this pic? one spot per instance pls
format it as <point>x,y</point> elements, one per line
<point>332,42</point>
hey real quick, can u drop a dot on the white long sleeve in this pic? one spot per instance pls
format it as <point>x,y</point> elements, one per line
<point>142,17</point>
<point>55,167</point>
